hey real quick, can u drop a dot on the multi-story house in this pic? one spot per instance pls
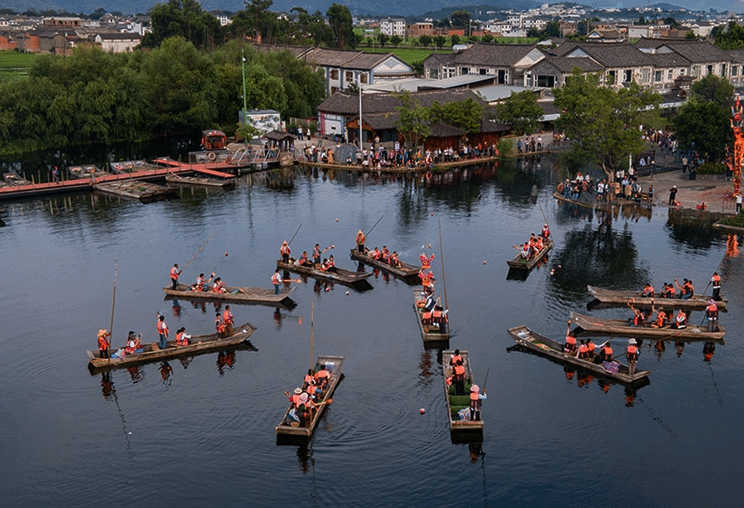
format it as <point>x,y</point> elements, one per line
<point>507,62</point>
<point>393,26</point>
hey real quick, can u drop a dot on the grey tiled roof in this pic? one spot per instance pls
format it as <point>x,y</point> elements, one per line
<point>344,103</point>
<point>497,55</point>
<point>566,64</point>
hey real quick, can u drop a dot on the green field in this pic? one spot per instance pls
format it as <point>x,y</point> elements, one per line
<point>14,64</point>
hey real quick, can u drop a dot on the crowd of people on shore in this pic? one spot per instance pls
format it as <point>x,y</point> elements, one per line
<point>625,186</point>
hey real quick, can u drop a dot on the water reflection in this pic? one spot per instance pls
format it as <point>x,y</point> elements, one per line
<point>692,228</point>
<point>165,372</point>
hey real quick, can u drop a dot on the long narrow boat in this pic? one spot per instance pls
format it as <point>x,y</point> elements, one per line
<point>151,352</point>
<point>357,280</point>
<point>334,365</point>
<point>456,403</point>
<point>234,295</point>
<point>405,271</point>
<point>429,332</point>
<point>519,263</point>
<point>621,328</point>
<point>86,171</point>
<point>610,297</point>
<point>195,181</point>
<point>547,347</point>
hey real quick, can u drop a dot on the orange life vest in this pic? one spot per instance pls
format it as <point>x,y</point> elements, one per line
<point>103,344</point>
<point>219,325</point>
<point>631,353</point>
<point>455,359</point>
<point>228,317</point>
<point>285,250</point>
<point>590,348</point>
<point>181,340</point>
<point>607,352</point>
<point>459,372</point>
<point>162,327</point>
<point>716,281</point>
<point>660,319</point>
<point>638,320</point>
<point>583,350</point>
<point>712,310</point>
<point>174,273</point>
<point>474,397</point>
<point>681,319</point>
<point>648,291</point>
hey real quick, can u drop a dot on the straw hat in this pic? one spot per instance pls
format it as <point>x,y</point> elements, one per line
<point>632,342</point>
<point>474,388</point>
<point>102,332</point>
<point>298,390</point>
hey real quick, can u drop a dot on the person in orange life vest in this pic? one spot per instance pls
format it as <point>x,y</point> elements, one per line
<point>162,332</point>
<point>218,286</point>
<point>181,338</point>
<point>285,251</point>
<point>458,378</point>
<point>276,280</point>
<point>661,316</point>
<point>476,402</point>
<point>385,253</point>
<point>133,343</point>
<point>103,343</point>
<point>648,291</point>
<point>685,289</point>
<point>570,345</point>
<point>439,316</point>
<point>322,377</point>
<point>375,254</point>
<point>360,239</point>
<point>680,320</point>
<point>638,317</point>
<point>316,254</point>
<point>631,354</point>
<point>525,252</point>
<point>303,260</point>
<point>711,312</point>
<point>605,353</point>
<point>331,263</point>
<point>200,282</point>
<point>294,398</point>
<point>716,281</point>
<point>174,273</point>
<point>590,349</point>
<point>539,244</point>
<point>219,326</point>
<point>229,320</point>
<point>545,232</point>
<point>668,291</point>
<point>583,350</point>
<point>309,383</point>
<point>394,261</point>
<point>304,408</point>
<point>455,358</point>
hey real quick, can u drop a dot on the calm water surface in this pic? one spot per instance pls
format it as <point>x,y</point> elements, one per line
<point>201,433</point>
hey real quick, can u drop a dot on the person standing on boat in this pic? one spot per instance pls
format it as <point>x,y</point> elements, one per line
<point>360,240</point>
<point>458,378</point>
<point>455,358</point>
<point>545,231</point>
<point>711,312</point>
<point>229,320</point>
<point>276,280</point>
<point>103,343</point>
<point>219,326</point>
<point>631,354</point>
<point>174,273</point>
<point>476,402</point>
<point>285,251</point>
<point>162,332</point>
<point>716,281</point>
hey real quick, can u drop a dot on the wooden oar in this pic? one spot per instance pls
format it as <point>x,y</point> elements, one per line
<point>113,304</point>
<point>544,217</point>
<point>312,334</point>
<point>197,252</point>
<point>373,227</point>
<point>441,255</point>
<point>485,380</point>
<point>293,236</point>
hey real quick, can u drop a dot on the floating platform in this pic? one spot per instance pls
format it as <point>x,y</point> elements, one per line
<point>194,181</point>
<point>133,189</point>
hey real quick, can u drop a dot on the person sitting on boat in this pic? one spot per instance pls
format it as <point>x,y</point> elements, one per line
<point>661,316</point>
<point>309,384</point>
<point>590,349</point>
<point>476,402</point>
<point>182,339</point>
<point>638,317</point>
<point>360,239</point>
<point>103,343</point>
<point>570,345</point>
<point>631,354</point>
<point>648,291</point>
<point>322,377</point>
<point>219,326</point>
<point>439,317</point>
<point>294,401</point>
<point>285,251</point>
<point>525,250</point>
<point>294,398</point>
<point>680,320</point>
<point>669,291</point>
<point>583,350</point>
<point>458,378</point>
<point>605,352</point>
<point>218,286</point>
<point>394,261</point>
<point>200,282</point>
<point>385,254</point>
<point>303,260</point>
<point>716,281</point>
<point>711,311</point>
<point>545,232</point>
<point>304,409</point>
<point>375,254</point>
<point>455,358</point>
<point>429,306</point>
<point>133,343</point>
<point>174,273</point>
<point>686,289</point>
<point>229,320</point>
<point>532,243</point>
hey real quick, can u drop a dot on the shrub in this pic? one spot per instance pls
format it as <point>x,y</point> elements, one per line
<point>712,168</point>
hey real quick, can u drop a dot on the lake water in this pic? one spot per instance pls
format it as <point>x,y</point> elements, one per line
<point>201,433</point>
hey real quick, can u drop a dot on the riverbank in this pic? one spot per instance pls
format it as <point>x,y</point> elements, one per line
<point>709,189</point>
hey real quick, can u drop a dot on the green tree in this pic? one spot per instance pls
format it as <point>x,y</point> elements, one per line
<point>395,40</point>
<point>673,23</point>
<point>690,35</point>
<point>439,41</point>
<point>183,18</point>
<point>704,122</point>
<point>730,38</point>
<point>339,18</point>
<point>460,19</point>
<point>413,121</point>
<point>521,111</point>
<point>425,40</point>
<point>444,23</point>
<point>382,38</point>
<point>455,39</point>
<point>487,38</point>
<point>467,114</point>
<point>603,123</point>
<point>552,29</point>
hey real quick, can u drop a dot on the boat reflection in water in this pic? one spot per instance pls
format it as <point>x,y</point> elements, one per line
<point>165,371</point>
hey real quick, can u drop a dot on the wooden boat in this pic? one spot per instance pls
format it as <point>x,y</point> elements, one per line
<point>610,297</point>
<point>355,279</point>
<point>86,171</point>
<point>519,263</point>
<point>429,332</point>
<point>234,295</point>
<point>151,352</point>
<point>194,181</point>
<point>621,328</point>
<point>135,189</point>
<point>547,347</point>
<point>405,271</point>
<point>334,365</point>
<point>126,167</point>
<point>455,403</point>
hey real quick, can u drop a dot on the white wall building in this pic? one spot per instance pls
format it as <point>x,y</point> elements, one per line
<point>393,26</point>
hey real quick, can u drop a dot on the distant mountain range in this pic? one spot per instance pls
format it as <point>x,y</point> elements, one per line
<point>357,7</point>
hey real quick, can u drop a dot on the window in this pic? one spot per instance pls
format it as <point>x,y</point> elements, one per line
<point>611,75</point>
<point>628,76</point>
<point>695,71</point>
<point>670,74</point>
<point>682,72</point>
<point>710,69</point>
<point>645,75</point>
<point>363,78</point>
<point>658,76</point>
<point>464,70</point>
<point>734,70</point>
<point>723,70</point>
<point>349,76</point>
<point>334,73</point>
<point>482,72</point>
<point>546,81</point>
<point>433,73</point>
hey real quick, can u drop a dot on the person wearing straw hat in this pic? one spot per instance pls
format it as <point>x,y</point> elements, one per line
<point>631,354</point>
<point>285,251</point>
<point>103,343</point>
<point>476,402</point>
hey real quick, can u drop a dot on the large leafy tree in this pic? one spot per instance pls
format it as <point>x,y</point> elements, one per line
<point>460,19</point>
<point>732,37</point>
<point>339,18</point>
<point>413,121</point>
<point>183,18</point>
<point>466,114</point>
<point>602,123</point>
<point>521,111</point>
<point>704,122</point>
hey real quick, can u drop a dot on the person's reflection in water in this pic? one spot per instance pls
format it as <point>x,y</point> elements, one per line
<point>165,370</point>
<point>659,349</point>
<point>225,360</point>
<point>176,308</point>
<point>604,385</point>
<point>136,373</point>
<point>476,451</point>
<point>305,458</point>
<point>278,319</point>
<point>679,346</point>
<point>630,394</point>
<point>185,361</point>
<point>584,379</point>
<point>569,373</point>
<point>107,385</point>
<point>708,349</point>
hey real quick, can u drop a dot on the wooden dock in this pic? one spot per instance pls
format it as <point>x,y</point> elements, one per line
<point>135,189</point>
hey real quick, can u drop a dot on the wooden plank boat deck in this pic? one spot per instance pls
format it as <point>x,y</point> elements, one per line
<point>430,333</point>
<point>622,298</point>
<point>519,263</point>
<point>151,352</point>
<point>216,169</point>
<point>621,328</point>
<point>234,294</point>
<point>134,189</point>
<point>357,280</point>
<point>457,402</point>
<point>552,349</point>
<point>334,364</point>
<point>406,271</point>
<point>193,181</point>
<point>86,171</point>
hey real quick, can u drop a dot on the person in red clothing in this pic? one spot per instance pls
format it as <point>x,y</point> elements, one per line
<point>174,273</point>
<point>631,354</point>
<point>229,320</point>
<point>103,343</point>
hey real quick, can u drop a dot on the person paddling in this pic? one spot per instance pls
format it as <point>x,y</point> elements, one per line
<point>103,343</point>
<point>476,402</point>
<point>174,273</point>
